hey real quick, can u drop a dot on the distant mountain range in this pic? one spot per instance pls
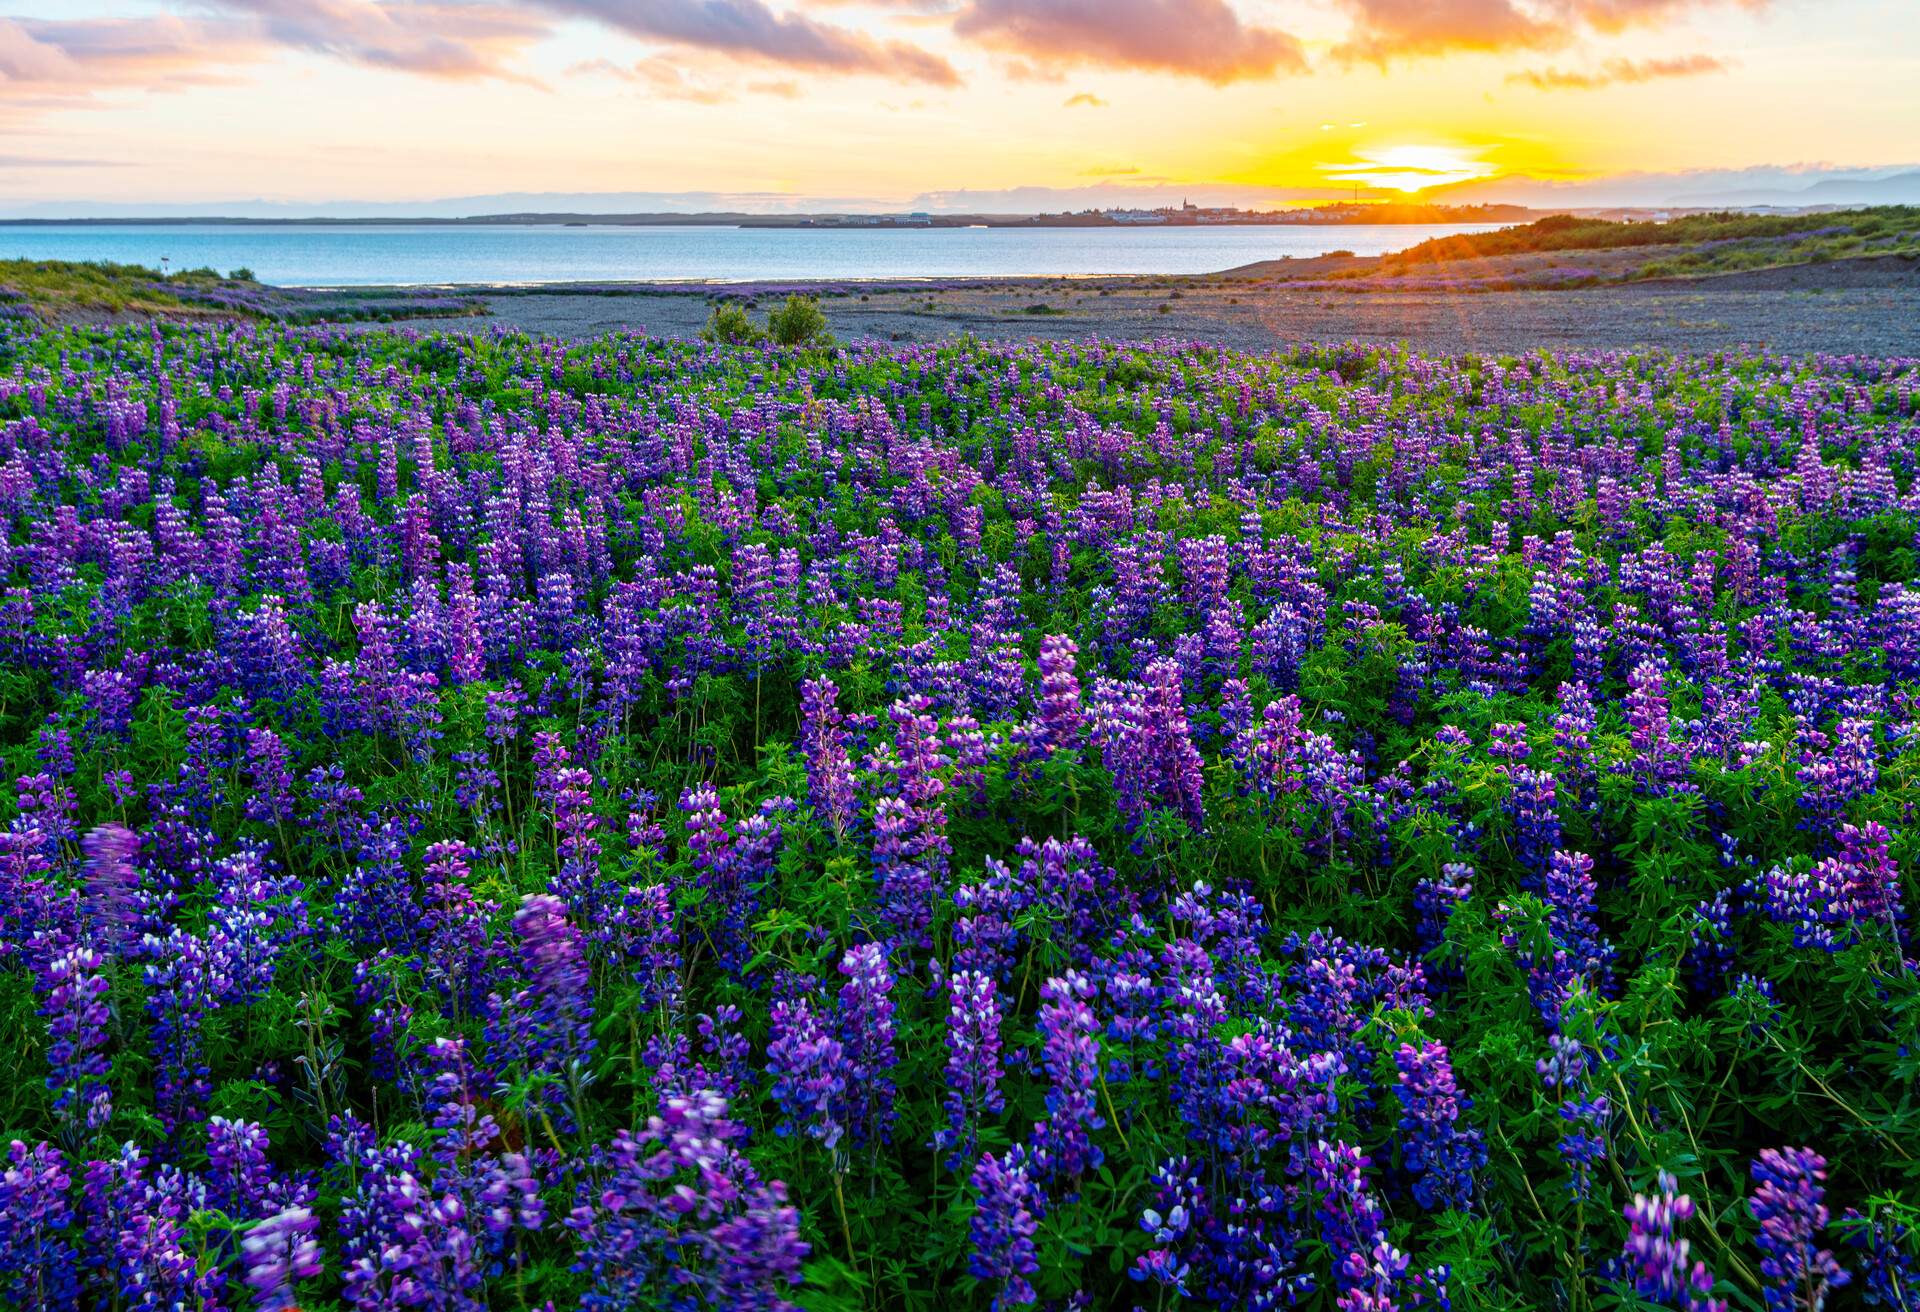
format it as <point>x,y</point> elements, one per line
<point>1787,187</point>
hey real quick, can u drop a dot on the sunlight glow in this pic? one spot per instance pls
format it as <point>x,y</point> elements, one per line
<point>1409,168</point>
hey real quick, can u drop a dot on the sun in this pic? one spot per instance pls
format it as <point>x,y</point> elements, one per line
<point>1409,168</point>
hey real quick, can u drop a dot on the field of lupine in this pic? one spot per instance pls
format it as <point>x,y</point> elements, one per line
<point>492,823</point>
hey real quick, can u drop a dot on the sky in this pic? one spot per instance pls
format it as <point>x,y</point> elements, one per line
<point>942,104</point>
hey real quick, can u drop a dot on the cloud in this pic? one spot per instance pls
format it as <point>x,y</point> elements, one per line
<point>1085,100</point>
<point>675,79</point>
<point>440,38</point>
<point>1387,28</point>
<point>65,62</point>
<point>748,29</point>
<point>662,77</point>
<point>56,61</point>
<point>1615,15</point>
<point>26,162</point>
<point>1195,38</point>
<point>1620,71</point>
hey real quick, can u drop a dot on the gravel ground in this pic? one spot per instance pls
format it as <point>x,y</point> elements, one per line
<point>1798,314</point>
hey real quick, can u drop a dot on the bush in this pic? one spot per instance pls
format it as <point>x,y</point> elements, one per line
<point>799,322</point>
<point>730,326</point>
<point>242,274</point>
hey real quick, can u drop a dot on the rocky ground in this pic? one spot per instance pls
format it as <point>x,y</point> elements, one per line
<point>1828,309</point>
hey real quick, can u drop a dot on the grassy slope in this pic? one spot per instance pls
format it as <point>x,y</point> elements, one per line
<point>60,285</point>
<point>57,289</point>
<point>1716,243</point>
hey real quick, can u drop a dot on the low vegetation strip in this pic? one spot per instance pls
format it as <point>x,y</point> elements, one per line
<point>1708,244</point>
<point>57,289</point>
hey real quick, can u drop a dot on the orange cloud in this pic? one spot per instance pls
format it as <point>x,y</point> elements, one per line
<point>1614,15</point>
<point>1196,38</point>
<point>1621,70</point>
<point>1386,28</point>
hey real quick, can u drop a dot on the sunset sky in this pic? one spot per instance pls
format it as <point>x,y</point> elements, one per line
<point>853,103</point>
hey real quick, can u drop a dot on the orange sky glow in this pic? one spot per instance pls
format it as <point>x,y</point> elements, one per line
<point>884,103</point>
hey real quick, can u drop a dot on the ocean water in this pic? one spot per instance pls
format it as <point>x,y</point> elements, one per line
<point>323,256</point>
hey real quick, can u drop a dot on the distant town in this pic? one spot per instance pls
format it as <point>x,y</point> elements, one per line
<point>1186,214</point>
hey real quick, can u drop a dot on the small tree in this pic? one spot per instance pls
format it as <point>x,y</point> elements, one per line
<point>730,326</point>
<point>799,322</point>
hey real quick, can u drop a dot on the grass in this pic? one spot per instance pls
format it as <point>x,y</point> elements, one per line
<point>1717,243</point>
<point>58,289</point>
<point>113,288</point>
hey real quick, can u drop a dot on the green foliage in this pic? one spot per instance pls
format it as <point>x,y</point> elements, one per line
<point>729,325</point>
<point>798,321</point>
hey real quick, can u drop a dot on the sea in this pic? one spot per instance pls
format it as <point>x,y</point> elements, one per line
<point>319,255</point>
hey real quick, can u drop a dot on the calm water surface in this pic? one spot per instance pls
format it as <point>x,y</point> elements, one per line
<point>323,256</point>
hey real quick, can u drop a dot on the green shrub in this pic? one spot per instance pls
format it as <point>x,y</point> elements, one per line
<point>799,322</point>
<point>730,326</point>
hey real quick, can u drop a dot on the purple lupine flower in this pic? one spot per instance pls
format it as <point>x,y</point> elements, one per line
<point>910,847</point>
<point>733,863</point>
<point>449,1106</point>
<point>681,1213</point>
<point>1534,806</point>
<point>1889,1264</point>
<point>1659,1255</point>
<point>38,1264</point>
<point>111,900</point>
<point>1873,881</point>
<point>1789,1202</point>
<point>73,987</point>
<point>868,1040</point>
<point>270,798</point>
<point>1570,897</point>
<point>973,1063</point>
<point>405,1243</point>
<point>377,904</point>
<point>1063,1144</point>
<point>278,1253</point>
<point>1583,1143</point>
<point>1436,899</point>
<point>809,1070</point>
<point>545,1031</point>
<point>1061,720</point>
<point>1005,1220</point>
<point>183,987</point>
<point>576,880</point>
<point>653,946</point>
<point>824,750</point>
<point>238,1177</point>
<point>1366,1267</point>
<point>1442,1153</point>
<point>257,913</point>
<point>1176,763</point>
